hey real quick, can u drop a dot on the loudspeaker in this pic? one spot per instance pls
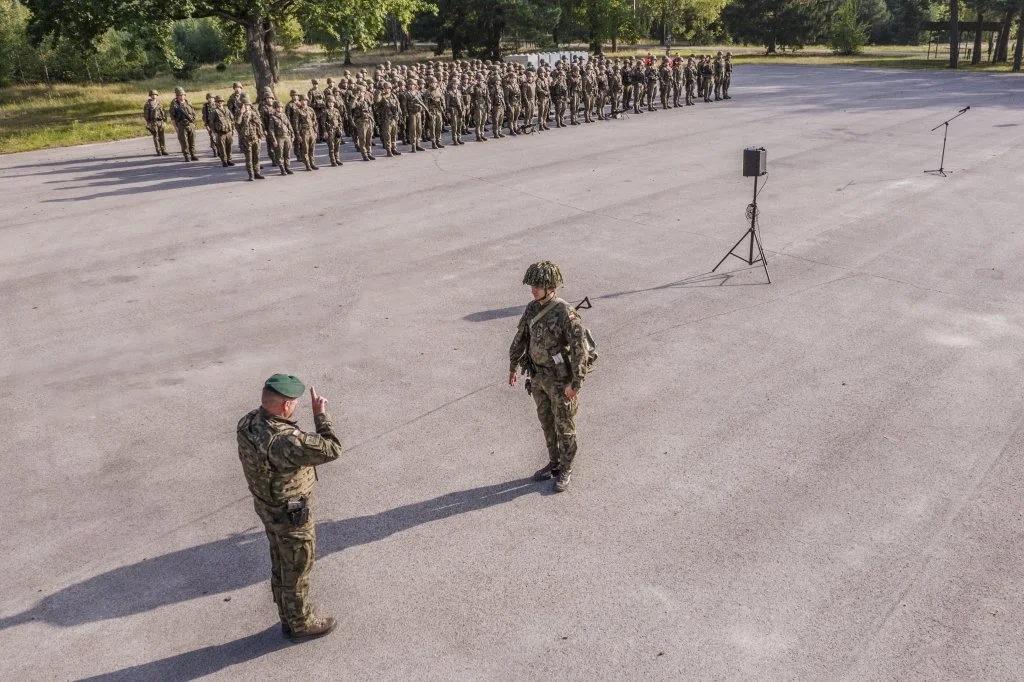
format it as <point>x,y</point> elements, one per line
<point>755,162</point>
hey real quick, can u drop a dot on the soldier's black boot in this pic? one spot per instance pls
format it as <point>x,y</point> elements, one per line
<point>549,471</point>
<point>260,176</point>
<point>562,481</point>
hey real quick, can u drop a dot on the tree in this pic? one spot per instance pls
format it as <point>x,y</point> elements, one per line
<point>954,33</point>
<point>1018,52</point>
<point>847,35</point>
<point>773,23</point>
<point>82,21</point>
<point>605,21</point>
<point>479,27</point>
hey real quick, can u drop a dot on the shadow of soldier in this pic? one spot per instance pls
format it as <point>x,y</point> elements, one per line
<point>192,665</point>
<point>239,561</point>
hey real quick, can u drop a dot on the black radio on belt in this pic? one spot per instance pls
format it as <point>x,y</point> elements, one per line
<point>297,511</point>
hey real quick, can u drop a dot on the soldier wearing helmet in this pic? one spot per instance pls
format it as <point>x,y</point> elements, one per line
<point>550,346</point>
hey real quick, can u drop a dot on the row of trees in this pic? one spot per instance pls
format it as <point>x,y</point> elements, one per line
<point>143,35</point>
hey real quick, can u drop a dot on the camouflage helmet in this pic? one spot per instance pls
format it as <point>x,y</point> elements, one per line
<point>178,90</point>
<point>543,274</point>
<point>243,98</point>
<point>218,99</point>
<point>293,93</point>
<point>236,84</point>
<point>209,95</point>
<point>153,92</point>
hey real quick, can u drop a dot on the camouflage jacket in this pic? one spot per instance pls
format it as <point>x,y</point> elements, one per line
<point>279,127</point>
<point>182,113</point>
<point>559,331</point>
<point>332,118</point>
<point>316,97</point>
<point>220,119</point>
<point>305,121</point>
<point>249,125</point>
<point>234,103</point>
<point>278,458</point>
<point>208,114</point>
<point>154,113</point>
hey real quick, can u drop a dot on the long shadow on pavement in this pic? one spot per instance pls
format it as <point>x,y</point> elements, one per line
<point>192,665</point>
<point>240,561</point>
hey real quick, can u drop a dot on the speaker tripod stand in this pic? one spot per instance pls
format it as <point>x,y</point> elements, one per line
<point>755,240</point>
<point>941,170</point>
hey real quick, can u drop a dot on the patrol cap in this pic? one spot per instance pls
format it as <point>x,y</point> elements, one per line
<point>287,385</point>
<point>153,92</point>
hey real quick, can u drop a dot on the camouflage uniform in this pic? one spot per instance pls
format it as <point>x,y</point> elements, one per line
<point>184,117</point>
<point>280,135</point>
<point>390,113</point>
<point>305,130</point>
<point>414,110</point>
<point>362,120</point>
<point>223,129</point>
<point>543,101</point>
<point>250,132</point>
<point>456,112</point>
<point>434,99</point>
<point>155,117</point>
<point>719,68</point>
<point>513,100</point>
<point>727,76</point>
<point>332,129</point>
<point>266,109</point>
<point>207,113</point>
<point>278,461</point>
<point>481,103</point>
<point>575,85</point>
<point>529,92</point>
<point>317,103</point>
<point>690,76</point>
<point>553,350</point>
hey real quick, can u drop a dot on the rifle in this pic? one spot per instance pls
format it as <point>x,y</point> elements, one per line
<point>528,369</point>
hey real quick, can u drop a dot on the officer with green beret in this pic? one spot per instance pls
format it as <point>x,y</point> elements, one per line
<point>278,460</point>
<point>550,347</point>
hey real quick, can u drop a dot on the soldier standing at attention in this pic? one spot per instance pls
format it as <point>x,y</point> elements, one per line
<point>575,85</point>
<point>362,119</point>
<point>719,75</point>
<point>280,135</point>
<point>390,114</point>
<point>278,459</point>
<point>155,117</point>
<point>305,130</point>
<point>208,106</point>
<point>250,132</point>
<point>184,118</point>
<point>690,75</point>
<point>496,95</point>
<point>550,345</point>
<point>315,98</point>
<point>665,83</point>
<point>529,91</point>
<point>223,127</point>
<point>481,103</point>
<point>513,102</point>
<point>332,128</point>
<point>290,110</point>
<point>543,99</point>
<point>727,78</point>
<point>456,110</point>
<point>414,108</point>
<point>434,99</point>
<point>266,108</point>
<point>235,107</point>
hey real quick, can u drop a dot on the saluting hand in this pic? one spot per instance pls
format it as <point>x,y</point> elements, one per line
<point>319,404</point>
<point>512,378</point>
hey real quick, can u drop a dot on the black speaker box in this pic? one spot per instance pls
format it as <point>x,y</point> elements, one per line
<point>755,162</point>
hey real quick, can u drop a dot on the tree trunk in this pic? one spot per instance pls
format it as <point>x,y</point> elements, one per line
<point>1002,48</point>
<point>954,33</point>
<point>976,56</point>
<point>261,53</point>
<point>269,38</point>
<point>348,53</point>
<point>772,44</point>
<point>1018,52</point>
<point>615,43</point>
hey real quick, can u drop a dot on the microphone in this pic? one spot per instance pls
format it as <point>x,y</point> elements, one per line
<point>964,109</point>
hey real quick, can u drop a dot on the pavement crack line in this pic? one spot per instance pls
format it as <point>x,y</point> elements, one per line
<point>926,553</point>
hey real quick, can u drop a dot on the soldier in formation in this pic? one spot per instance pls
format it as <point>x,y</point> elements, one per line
<point>155,117</point>
<point>416,104</point>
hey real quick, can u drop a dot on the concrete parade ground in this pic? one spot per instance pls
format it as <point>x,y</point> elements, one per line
<point>814,479</point>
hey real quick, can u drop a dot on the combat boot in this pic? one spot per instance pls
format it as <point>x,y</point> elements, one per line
<point>549,471</point>
<point>396,152</point>
<point>260,176</point>
<point>318,627</point>
<point>439,145</point>
<point>562,481</point>
<point>314,166</point>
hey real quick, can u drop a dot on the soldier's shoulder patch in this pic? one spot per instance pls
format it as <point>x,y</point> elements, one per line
<point>312,440</point>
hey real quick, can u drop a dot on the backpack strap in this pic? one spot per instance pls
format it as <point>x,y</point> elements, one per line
<point>544,311</point>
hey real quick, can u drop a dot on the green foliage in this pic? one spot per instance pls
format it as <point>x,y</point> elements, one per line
<point>486,28</point>
<point>847,34</point>
<point>200,41</point>
<point>774,23</point>
<point>290,34</point>
<point>14,47</point>
<point>605,21</point>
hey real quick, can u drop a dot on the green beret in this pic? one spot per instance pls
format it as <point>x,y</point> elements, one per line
<point>287,385</point>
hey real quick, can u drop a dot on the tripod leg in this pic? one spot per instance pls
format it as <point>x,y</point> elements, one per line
<point>764,261</point>
<point>942,163</point>
<point>745,234</point>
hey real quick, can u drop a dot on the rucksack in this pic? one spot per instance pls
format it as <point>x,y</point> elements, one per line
<point>588,338</point>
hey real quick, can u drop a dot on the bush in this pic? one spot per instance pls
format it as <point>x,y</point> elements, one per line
<point>847,35</point>
<point>199,41</point>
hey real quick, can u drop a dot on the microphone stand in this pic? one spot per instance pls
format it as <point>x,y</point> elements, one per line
<point>941,170</point>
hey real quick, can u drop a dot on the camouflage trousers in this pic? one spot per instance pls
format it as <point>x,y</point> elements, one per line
<point>159,140</point>
<point>435,124</point>
<point>557,416</point>
<point>187,140</point>
<point>458,124</point>
<point>364,136</point>
<point>251,151</point>
<point>726,80</point>
<point>292,551</point>
<point>283,151</point>
<point>224,143</point>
